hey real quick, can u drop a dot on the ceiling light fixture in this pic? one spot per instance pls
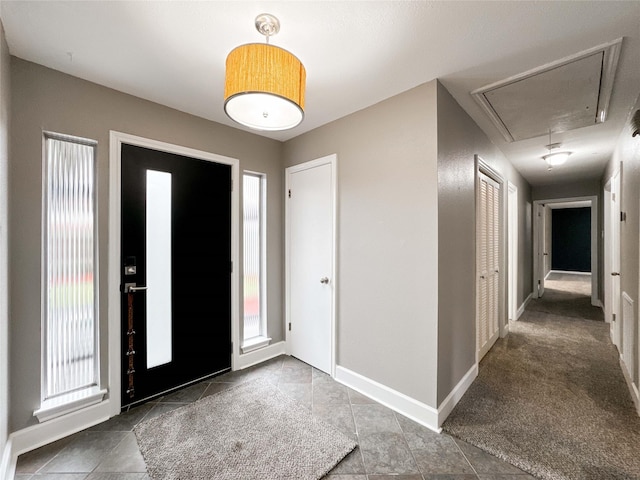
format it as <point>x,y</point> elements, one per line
<point>556,158</point>
<point>264,84</point>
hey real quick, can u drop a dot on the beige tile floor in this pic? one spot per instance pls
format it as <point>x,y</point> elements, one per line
<point>391,447</point>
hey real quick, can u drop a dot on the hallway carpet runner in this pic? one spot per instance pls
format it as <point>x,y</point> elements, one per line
<point>550,398</point>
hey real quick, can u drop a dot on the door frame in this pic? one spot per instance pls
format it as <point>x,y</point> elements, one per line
<point>481,166</point>
<point>327,160</point>
<point>538,228</point>
<point>116,139</point>
<point>512,242</point>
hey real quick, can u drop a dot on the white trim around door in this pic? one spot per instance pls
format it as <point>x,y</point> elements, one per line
<point>115,142</point>
<point>331,160</point>
<point>573,202</point>
<point>512,242</point>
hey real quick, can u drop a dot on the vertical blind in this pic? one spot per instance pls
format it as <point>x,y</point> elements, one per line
<point>252,254</point>
<point>69,277</point>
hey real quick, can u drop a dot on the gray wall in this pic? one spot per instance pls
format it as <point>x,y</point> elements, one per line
<point>388,241</point>
<point>5,97</point>
<point>459,138</point>
<point>628,153</point>
<point>44,99</point>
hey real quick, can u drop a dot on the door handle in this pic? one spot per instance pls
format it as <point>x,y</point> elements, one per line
<point>545,253</point>
<point>131,288</point>
<point>324,280</point>
<point>615,274</point>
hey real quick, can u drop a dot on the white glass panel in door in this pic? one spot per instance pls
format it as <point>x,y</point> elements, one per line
<point>158,268</point>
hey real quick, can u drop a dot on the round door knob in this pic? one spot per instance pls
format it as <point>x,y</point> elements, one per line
<point>324,280</point>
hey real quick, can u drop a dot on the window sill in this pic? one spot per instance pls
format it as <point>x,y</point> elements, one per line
<point>58,406</point>
<point>255,344</point>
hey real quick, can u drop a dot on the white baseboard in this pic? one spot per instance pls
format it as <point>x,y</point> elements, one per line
<point>523,306</point>
<point>447,405</point>
<point>504,331</point>
<point>570,272</point>
<point>401,403</point>
<point>633,388</point>
<point>44,433</point>
<point>261,355</point>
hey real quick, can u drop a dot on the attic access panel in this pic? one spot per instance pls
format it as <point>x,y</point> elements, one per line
<point>571,93</point>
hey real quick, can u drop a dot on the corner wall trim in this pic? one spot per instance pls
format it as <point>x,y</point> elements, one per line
<point>523,306</point>
<point>401,403</point>
<point>446,407</point>
<point>260,355</point>
<point>44,433</point>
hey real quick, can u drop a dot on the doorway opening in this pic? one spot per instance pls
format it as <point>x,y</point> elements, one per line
<point>118,299</point>
<point>566,243</point>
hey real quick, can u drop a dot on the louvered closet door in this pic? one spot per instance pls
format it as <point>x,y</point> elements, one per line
<point>488,262</point>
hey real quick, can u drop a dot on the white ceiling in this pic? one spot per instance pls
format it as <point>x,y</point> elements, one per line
<point>355,53</point>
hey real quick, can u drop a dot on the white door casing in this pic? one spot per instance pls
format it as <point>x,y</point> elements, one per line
<point>542,240</point>
<point>310,262</point>
<point>513,250</point>
<point>488,256</point>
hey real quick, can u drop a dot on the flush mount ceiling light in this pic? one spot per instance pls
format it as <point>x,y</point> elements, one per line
<point>554,159</point>
<point>264,84</point>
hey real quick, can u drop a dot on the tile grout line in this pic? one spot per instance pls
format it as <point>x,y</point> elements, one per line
<point>355,425</point>
<point>395,416</point>
<point>465,457</point>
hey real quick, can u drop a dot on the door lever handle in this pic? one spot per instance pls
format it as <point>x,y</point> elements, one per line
<point>615,274</point>
<point>131,288</point>
<point>324,280</point>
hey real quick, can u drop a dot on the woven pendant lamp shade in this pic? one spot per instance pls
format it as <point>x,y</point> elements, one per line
<point>264,87</point>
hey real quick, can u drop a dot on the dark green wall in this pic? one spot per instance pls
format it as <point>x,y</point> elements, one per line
<point>571,239</point>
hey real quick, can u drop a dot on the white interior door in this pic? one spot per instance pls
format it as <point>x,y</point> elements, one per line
<point>539,217</point>
<point>310,262</point>
<point>488,264</point>
<point>614,251</point>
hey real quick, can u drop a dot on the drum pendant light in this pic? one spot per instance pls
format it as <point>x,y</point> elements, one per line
<point>264,84</point>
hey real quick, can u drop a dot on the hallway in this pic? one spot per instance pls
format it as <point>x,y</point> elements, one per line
<point>551,398</point>
<point>567,294</point>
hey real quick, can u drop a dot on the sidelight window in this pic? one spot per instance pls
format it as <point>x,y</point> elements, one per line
<point>70,362</point>
<point>253,200</point>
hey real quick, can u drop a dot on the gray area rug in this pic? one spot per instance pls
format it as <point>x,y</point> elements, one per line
<point>251,431</point>
<point>551,399</point>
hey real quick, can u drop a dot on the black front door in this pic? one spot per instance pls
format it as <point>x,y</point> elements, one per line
<point>175,271</point>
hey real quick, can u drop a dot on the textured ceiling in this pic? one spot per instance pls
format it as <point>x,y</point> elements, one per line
<point>355,53</point>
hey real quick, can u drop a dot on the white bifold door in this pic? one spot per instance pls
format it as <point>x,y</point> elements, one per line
<point>487,263</point>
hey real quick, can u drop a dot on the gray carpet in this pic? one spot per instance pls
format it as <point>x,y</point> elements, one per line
<point>551,399</point>
<point>248,432</point>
